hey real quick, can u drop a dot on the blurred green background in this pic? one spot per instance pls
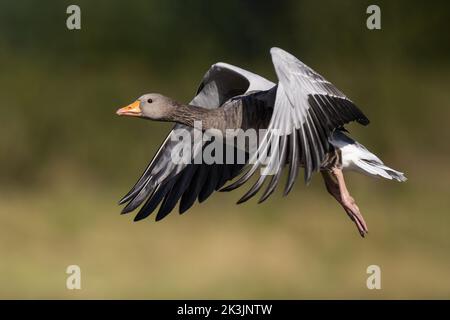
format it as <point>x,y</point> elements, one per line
<point>66,158</point>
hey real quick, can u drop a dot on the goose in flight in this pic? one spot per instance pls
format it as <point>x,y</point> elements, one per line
<point>303,116</point>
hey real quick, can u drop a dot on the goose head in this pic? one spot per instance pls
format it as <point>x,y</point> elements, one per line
<point>152,106</point>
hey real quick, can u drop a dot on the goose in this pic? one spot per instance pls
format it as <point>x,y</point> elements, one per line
<point>303,115</point>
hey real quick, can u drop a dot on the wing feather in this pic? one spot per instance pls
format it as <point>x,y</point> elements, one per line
<point>307,109</point>
<point>164,182</point>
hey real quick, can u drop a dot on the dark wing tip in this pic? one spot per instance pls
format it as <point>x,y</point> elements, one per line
<point>184,208</point>
<point>130,194</point>
<point>125,210</point>
<point>162,213</point>
<point>140,217</point>
<point>241,200</point>
<point>364,121</point>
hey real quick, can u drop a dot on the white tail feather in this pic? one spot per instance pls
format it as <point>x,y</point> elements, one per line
<point>379,169</point>
<point>356,157</point>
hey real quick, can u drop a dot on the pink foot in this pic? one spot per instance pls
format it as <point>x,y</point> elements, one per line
<point>353,212</point>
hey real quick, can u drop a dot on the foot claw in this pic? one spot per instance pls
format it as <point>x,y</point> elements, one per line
<point>357,218</point>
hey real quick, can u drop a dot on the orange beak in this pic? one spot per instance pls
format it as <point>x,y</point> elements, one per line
<point>133,110</point>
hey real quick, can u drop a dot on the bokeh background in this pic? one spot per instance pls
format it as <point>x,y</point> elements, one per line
<point>66,158</point>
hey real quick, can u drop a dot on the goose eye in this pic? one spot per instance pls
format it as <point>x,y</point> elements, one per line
<point>149,100</point>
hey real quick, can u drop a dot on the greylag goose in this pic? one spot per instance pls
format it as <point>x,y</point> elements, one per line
<point>303,116</point>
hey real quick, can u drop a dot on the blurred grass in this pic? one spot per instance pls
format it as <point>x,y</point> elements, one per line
<point>300,247</point>
<point>66,158</point>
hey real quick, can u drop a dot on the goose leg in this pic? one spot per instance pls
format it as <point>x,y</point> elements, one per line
<point>335,183</point>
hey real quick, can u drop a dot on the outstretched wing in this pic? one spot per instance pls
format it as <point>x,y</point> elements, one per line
<point>166,182</point>
<point>307,110</point>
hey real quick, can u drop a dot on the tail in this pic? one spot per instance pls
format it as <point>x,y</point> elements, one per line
<point>377,168</point>
<point>356,157</point>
